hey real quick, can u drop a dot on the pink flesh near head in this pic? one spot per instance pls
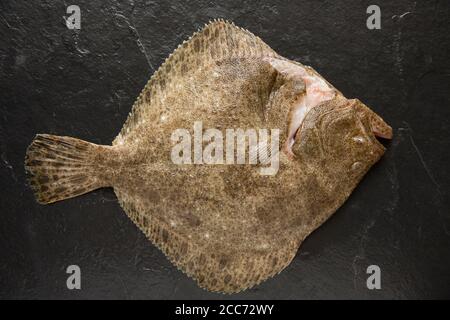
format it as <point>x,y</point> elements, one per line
<point>317,92</point>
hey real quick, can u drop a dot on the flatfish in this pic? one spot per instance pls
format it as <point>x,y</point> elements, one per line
<point>225,223</point>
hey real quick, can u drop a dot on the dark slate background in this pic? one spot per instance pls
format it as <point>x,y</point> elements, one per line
<point>83,83</point>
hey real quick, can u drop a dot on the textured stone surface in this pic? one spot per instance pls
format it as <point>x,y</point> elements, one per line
<point>83,84</point>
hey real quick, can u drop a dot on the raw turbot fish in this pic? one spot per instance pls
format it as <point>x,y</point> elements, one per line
<point>227,226</point>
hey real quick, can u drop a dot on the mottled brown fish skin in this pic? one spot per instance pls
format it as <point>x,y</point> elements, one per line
<point>226,226</point>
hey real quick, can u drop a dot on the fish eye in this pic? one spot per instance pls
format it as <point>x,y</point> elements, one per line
<point>359,139</point>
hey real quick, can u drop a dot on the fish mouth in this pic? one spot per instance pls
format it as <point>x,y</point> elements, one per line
<point>384,135</point>
<point>377,145</point>
<point>378,129</point>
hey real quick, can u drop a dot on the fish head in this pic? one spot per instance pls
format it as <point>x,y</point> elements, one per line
<point>342,136</point>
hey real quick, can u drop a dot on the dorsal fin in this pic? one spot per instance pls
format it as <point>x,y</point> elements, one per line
<point>217,40</point>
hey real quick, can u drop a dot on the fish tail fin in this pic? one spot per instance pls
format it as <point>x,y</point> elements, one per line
<point>63,167</point>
